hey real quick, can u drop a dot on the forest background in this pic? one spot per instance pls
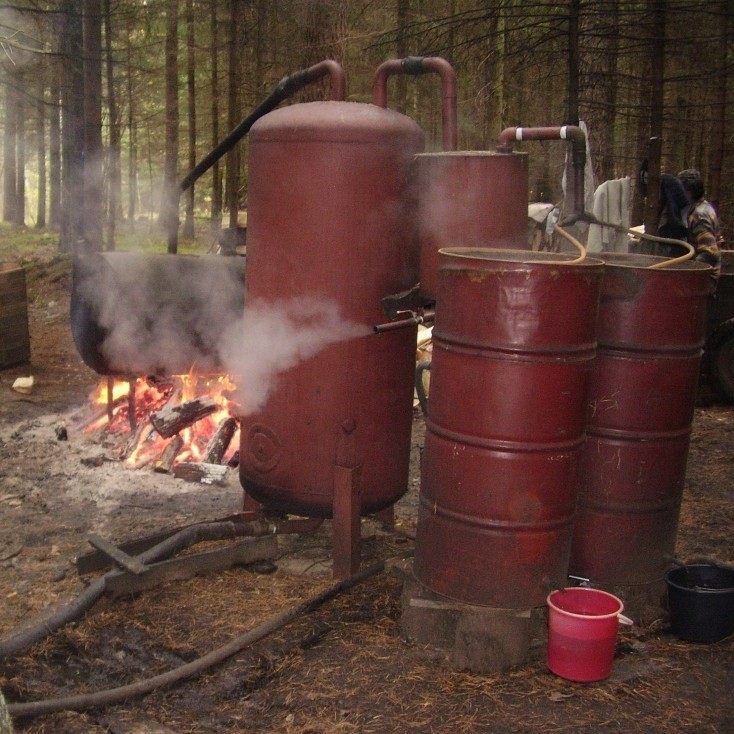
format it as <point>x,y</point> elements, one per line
<point>110,103</point>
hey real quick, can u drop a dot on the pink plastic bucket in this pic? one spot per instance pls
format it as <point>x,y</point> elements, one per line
<point>582,633</point>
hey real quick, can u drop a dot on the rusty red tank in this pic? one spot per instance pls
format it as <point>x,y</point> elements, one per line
<point>331,225</point>
<point>643,388</point>
<point>513,342</point>
<point>469,199</point>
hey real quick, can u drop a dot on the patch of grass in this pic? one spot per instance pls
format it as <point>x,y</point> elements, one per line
<point>20,244</point>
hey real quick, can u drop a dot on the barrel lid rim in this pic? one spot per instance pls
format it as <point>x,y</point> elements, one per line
<point>626,260</point>
<point>472,154</point>
<point>519,257</point>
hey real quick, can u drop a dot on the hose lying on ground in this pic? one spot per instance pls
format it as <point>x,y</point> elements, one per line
<point>26,638</point>
<point>83,702</point>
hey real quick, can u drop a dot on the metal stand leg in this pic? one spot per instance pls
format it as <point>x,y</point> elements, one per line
<point>250,504</point>
<point>346,521</point>
<point>387,517</point>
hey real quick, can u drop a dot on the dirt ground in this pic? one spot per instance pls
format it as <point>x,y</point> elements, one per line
<point>343,667</point>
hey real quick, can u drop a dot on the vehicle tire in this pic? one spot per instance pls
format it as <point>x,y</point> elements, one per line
<point>722,365</point>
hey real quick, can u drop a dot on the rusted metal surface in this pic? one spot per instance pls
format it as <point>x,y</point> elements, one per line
<point>513,343</point>
<point>469,199</point>
<point>651,330</point>
<point>331,219</point>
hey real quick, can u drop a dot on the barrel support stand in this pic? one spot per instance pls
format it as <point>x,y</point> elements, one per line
<point>346,522</point>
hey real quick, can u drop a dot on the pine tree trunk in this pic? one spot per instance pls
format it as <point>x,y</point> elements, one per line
<point>658,9</point>
<point>132,153</point>
<point>41,154</point>
<point>572,110</point>
<point>188,229</point>
<point>72,100</point>
<point>20,161</point>
<point>93,181</point>
<point>54,150</point>
<point>169,207</point>
<point>718,136</point>
<point>233,115</point>
<point>216,213</point>
<point>115,174</point>
<point>10,192</point>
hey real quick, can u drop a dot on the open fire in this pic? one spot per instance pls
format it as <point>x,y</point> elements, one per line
<point>182,424</point>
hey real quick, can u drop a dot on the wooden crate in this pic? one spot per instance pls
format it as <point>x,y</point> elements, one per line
<point>15,345</point>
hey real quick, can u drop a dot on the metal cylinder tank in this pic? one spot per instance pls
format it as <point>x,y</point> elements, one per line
<point>469,198</point>
<point>331,222</point>
<point>513,341</point>
<point>641,400</point>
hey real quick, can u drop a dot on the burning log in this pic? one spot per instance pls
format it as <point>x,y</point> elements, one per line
<point>138,436</point>
<point>200,472</point>
<point>219,442</point>
<point>165,460</point>
<point>169,421</point>
<point>131,406</point>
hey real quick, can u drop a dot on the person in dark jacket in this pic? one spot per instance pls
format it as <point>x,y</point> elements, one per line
<point>673,215</point>
<point>674,206</point>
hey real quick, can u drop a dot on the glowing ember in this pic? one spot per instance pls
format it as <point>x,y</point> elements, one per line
<point>143,444</point>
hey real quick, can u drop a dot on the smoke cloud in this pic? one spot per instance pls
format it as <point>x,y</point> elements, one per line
<point>160,314</point>
<point>271,338</point>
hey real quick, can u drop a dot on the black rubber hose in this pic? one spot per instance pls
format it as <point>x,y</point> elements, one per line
<point>420,388</point>
<point>21,641</point>
<point>189,670</point>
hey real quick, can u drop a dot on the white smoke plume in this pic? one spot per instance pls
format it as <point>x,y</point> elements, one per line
<point>163,314</point>
<point>160,313</point>
<point>273,337</point>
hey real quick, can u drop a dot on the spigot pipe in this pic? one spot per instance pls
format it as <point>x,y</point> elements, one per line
<point>426,318</point>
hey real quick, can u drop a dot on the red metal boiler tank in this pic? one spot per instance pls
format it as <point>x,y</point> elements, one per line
<point>641,400</point>
<point>331,219</point>
<point>472,198</point>
<point>513,342</point>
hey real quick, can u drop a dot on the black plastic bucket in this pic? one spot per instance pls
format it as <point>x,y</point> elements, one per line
<point>701,602</point>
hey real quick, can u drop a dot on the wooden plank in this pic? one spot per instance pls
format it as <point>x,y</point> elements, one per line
<point>117,555</point>
<point>195,564</point>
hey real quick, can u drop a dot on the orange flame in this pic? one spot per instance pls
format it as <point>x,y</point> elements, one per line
<point>150,396</point>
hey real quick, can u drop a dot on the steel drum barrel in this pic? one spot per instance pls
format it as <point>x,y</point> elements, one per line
<point>643,388</point>
<point>514,338</point>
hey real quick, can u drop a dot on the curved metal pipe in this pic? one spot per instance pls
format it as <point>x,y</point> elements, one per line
<point>574,134</point>
<point>416,65</point>
<point>287,87</point>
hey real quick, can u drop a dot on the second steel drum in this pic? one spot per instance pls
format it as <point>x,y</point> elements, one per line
<point>643,389</point>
